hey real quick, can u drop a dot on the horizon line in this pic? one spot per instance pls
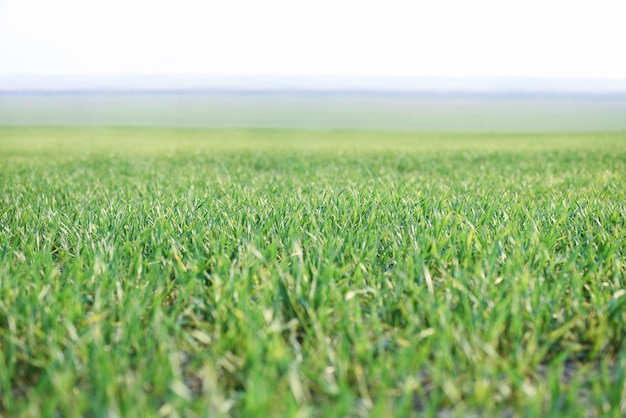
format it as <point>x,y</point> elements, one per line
<point>15,83</point>
<point>316,75</point>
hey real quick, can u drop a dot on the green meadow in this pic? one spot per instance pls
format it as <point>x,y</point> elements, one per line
<point>198,272</point>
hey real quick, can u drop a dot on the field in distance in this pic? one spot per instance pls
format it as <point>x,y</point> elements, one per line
<point>295,273</point>
<point>321,110</point>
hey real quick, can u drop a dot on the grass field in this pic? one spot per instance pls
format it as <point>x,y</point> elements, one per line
<point>181,272</point>
<point>321,111</point>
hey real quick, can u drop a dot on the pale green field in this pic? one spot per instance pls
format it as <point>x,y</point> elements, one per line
<point>321,111</point>
<point>189,272</point>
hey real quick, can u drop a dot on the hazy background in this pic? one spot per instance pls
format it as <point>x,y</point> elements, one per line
<point>416,65</point>
<point>315,102</point>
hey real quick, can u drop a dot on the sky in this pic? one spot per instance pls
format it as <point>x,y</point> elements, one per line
<point>443,38</point>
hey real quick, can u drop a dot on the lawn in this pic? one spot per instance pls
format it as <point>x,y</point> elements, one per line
<point>191,272</point>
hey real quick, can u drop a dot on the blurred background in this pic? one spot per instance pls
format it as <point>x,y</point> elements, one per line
<point>393,65</point>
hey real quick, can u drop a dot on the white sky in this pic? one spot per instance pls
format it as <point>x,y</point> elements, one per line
<point>530,38</point>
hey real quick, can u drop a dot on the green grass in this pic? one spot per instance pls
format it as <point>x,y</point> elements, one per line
<point>150,272</point>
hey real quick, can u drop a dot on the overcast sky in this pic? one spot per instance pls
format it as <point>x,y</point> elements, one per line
<point>530,38</point>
